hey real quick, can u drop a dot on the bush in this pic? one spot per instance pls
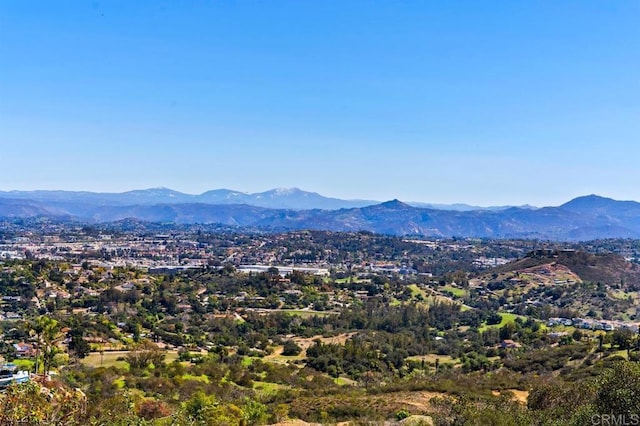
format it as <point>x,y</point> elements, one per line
<point>619,389</point>
<point>402,414</point>
<point>291,348</point>
<point>150,409</point>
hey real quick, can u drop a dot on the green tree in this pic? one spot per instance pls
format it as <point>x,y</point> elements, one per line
<point>619,389</point>
<point>577,335</point>
<point>145,353</point>
<point>78,346</point>
<point>508,330</point>
<point>622,338</point>
<point>254,412</point>
<point>202,409</point>
<point>47,333</point>
<point>291,348</point>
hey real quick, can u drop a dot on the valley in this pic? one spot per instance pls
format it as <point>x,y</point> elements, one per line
<point>236,327</point>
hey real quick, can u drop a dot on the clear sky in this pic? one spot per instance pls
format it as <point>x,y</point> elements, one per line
<point>483,102</point>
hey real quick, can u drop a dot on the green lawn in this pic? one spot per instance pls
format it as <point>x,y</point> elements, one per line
<point>457,292</point>
<point>344,381</point>
<point>621,353</point>
<point>506,318</point>
<point>202,378</point>
<point>268,388</point>
<point>24,364</point>
<point>248,360</point>
<point>621,295</point>
<point>416,291</point>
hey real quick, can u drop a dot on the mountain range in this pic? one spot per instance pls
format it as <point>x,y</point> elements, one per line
<point>584,218</point>
<point>278,198</point>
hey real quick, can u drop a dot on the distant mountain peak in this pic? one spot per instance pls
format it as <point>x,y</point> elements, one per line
<point>286,191</point>
<point>395,204</point>
<point>592,201</point>
<point>224,191</point>
<point>161,190</point>
<point>590,197</point>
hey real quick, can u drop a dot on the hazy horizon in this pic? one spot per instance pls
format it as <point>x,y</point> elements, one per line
<point>290,188</point>
<point>471,102</point>
<point>328,195</point>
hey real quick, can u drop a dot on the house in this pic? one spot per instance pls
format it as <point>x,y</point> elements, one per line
<point>127,286</point>
<point>12,316</point>
<point>608,326</point>
<point>24,350</point>
<point>510,344</point>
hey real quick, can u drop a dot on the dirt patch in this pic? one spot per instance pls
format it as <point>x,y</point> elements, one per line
<point>305,343</point>
<point>420,399</point>
<point>276,352</point>
<point>518,395</point>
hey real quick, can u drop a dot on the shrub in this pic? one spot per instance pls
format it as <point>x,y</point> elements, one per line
<point>402,414</point>
<point>291,348</point>
<point>150,409</point>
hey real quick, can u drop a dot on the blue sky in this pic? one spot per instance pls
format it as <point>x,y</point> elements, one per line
<point>483,102</point>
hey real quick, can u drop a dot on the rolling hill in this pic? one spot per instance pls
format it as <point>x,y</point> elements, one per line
<point>608,268</point>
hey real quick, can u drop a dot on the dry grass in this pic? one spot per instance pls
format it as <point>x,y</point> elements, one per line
<point>306,342</point>
<point>431,359</point>
<point>518,395</point>
<point>110,359</point>
<point>374,406</point>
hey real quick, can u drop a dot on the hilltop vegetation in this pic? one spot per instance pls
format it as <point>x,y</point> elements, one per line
<point>605,268</point>
<point>566,283</point>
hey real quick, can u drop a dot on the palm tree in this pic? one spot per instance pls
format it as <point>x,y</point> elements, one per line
<point>47,333</point>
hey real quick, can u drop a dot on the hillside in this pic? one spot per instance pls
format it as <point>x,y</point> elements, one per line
<point>608,269</point>
<point>565,283</point>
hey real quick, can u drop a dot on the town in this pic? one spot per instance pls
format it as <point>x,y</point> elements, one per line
<point>113,299</point>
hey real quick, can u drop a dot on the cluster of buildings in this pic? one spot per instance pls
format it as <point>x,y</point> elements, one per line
<point>7,311</point>
<point>9,374</point>
<point>284,270</point>
<point>390,268</point>
<point>593,324</point>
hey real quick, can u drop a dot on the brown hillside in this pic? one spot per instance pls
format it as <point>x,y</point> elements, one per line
<point>609,269</point>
